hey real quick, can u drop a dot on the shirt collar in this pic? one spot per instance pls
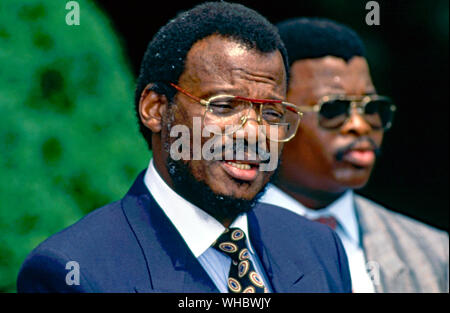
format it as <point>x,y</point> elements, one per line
<point>198,229</point>
<point>342,209</point>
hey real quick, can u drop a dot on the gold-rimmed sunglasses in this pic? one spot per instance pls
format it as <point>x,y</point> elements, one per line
<point>334,111</point>
<point>232,112</point>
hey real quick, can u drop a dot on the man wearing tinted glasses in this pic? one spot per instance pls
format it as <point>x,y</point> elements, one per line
<point>334,152</point>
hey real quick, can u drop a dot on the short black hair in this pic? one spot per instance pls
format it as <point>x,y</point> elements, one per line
<point>314,37</point>
<point>164,60</point>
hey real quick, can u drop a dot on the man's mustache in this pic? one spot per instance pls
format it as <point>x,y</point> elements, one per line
<point>242,150</point>
<point>252,152</point>
<point>342,151</point>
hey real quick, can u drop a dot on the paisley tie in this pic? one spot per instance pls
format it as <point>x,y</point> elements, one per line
<point>243,277</point>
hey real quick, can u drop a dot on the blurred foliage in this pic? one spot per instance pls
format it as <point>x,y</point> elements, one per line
<point>69,140</point>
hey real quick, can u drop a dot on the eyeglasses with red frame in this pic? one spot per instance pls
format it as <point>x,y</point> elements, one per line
<point>232,112</point>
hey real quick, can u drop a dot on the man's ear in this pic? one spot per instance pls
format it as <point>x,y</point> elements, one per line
<point>151,108</point>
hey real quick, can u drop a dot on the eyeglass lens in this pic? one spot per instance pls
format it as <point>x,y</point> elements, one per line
<point>378,113</point>
<point>233,112</point>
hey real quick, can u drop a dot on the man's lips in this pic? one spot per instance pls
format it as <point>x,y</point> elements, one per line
<point>360,153</point>
<point>359,157</point>
<point>242,170</point>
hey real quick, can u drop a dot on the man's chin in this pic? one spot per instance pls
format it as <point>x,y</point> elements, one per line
<point>226,205</point>
<point>239,190</point>
<point>355,182</point>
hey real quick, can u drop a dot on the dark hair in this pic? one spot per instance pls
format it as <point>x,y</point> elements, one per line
<point>308,38</point>
<point>164,60</point>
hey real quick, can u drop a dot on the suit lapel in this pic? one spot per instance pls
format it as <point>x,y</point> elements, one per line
<point>388,270</point>
<point>283,274</point>
<point>171,265</point>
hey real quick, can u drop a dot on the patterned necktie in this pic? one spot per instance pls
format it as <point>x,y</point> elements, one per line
<point>242,277</point>
<point>329,220</point>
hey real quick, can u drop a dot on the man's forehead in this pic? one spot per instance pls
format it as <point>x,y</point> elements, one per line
<point>330,66</point>
<point>222,58</point>
<point>328,74</point>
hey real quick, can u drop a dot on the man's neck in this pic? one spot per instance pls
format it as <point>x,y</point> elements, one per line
<point>312,199</point>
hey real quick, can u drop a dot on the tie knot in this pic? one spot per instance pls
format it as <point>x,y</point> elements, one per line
<point>328,220</point>
<point>232,242</point>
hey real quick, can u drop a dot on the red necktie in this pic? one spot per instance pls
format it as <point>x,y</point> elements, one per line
<point>328,220</point>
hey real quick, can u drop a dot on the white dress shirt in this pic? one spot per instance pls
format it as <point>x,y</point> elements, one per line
<point>199,230</point>
<point>348,231</point>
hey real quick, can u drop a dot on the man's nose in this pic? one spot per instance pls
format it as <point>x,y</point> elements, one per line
<point>251,129</point>
<point>356,124</point>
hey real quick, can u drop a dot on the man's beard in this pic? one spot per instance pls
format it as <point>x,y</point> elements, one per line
<point>221,207</point>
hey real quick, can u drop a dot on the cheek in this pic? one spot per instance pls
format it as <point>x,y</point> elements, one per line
<point>211,174</point>
<point>186,114</point>
<point>202,171</point>
<point>378,137</point>
<point>325,144</point>
<point>316,145</point>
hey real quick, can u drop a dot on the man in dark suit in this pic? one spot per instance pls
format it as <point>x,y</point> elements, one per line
<point>334,153</point>
<point>188,223</point>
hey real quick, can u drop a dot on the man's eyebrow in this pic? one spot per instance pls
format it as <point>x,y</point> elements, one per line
<point>259,77</point>
<point>236,92</point>
<point>220,91</point>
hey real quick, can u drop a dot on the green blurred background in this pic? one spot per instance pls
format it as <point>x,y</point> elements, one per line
<point>68,136</point>
<point>69,140</point>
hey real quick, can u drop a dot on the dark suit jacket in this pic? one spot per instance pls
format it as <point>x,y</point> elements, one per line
<point>131,246</point>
